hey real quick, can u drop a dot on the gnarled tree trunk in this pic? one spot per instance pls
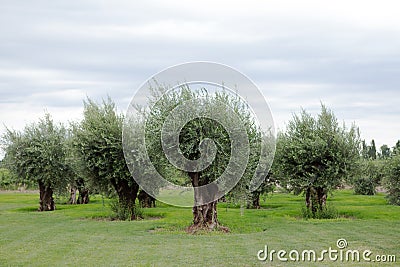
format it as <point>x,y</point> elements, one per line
<point>83,192</point>
<point>316,198</point>
<point>83,197</point>
<point>72,196</point>
<point>255,200</point>
<point>46,198</point>
<point>127,194</point>
<point>204,216</point>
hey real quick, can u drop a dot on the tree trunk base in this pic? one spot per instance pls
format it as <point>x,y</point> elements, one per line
<point>127,194</point>
<point>255,201</point>
<point>83,196</point>
<point>72,198</point>
<point>205,219</point>
<point>46,198</point>
<point>316,199</point>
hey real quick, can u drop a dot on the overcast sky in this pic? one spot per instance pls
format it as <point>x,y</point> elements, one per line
<point>345,54</point>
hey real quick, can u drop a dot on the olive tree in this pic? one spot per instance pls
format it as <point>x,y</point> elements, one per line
<point>315,155</point>
<point>368,176</point>
<point>194,139</point>
<point>38,153</point>
<point>98,141</point>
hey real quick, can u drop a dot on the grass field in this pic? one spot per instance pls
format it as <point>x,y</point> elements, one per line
<point>81,235</point>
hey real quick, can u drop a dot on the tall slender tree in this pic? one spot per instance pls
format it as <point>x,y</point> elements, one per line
<point>372,150</point>
<point>365,150</point>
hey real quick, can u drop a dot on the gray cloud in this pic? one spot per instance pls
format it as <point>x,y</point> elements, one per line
<point>53,54</point>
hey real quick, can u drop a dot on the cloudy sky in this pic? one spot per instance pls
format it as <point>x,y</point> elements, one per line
<point>345,54</point>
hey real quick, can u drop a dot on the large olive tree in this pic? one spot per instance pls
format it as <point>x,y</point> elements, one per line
<point>222,110</point>
<point>315,155</point>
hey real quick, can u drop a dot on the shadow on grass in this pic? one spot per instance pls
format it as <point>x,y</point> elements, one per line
<point>27,209</point>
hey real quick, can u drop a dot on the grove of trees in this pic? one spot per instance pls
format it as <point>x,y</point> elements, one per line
<point>314,156</point>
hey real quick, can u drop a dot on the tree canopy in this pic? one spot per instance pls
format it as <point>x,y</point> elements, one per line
<point>217,137</point>
<point>38,153</point>
<point>315,155</point>
<point>98,140</point>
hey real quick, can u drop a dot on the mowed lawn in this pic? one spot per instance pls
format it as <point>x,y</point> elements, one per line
<point>81,235</point>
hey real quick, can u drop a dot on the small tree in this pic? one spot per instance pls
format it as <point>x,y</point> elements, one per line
<point>7,179</point>
<point>98,140</point>
<point>314,155</point>
<point>372,150</point>
<point>365,150</point>
<point>368,175</point>
<point>364,186</point>
<point>38,154</point>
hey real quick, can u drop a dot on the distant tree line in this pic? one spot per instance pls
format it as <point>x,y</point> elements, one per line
<point>370,151</point>
<point>83,157</point>
<point>378,168</point>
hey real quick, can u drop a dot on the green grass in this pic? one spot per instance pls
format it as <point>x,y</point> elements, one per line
<point>81,235</point>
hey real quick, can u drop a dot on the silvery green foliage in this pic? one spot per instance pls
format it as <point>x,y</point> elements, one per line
<point>316,152</point>
<point>195,131</point>
<point>38,153</point>
<point>98,141</point>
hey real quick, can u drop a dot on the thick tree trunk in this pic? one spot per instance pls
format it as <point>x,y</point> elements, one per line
<point>83,196</point>
<point>46,198</point>
<point>316,199</point>
<point>127,195</point>
<point>146,201</point>
<point>72,197</point>
<point>83,191</point>
<point>204,216</point>
<point>255,200</point>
